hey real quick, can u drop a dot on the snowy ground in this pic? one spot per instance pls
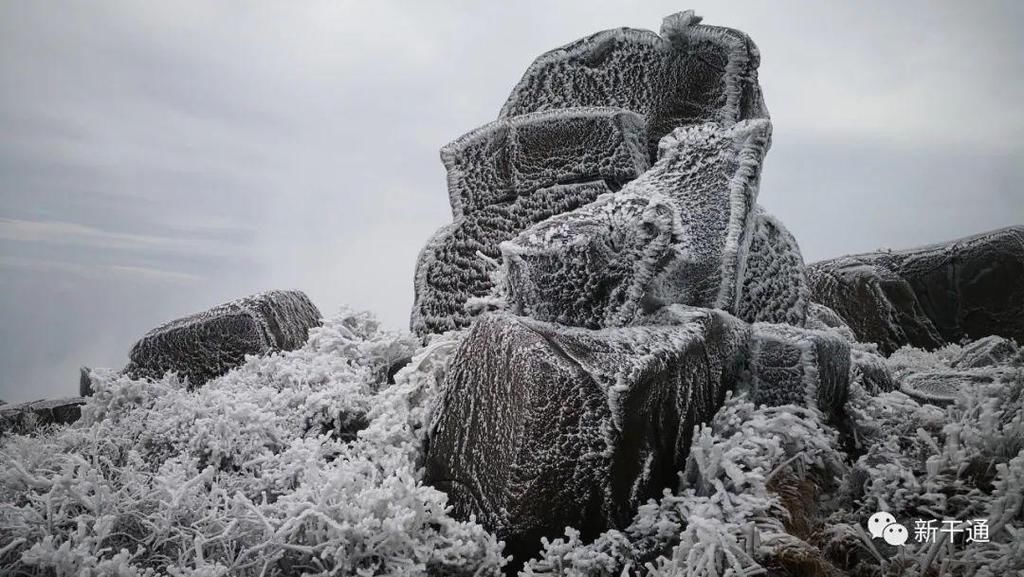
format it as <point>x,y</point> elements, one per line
<point>309,461</point>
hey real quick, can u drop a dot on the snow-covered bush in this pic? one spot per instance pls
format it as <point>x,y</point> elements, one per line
<point>296,462</point>
<point>310,462</point>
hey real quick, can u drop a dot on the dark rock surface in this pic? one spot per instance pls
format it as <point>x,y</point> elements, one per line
<point>991,350</point>
<point>24,418</point>
<point>792,365</point>
<point>507,176</point>
<point>877,304</point>
<point>542,426</point>
<point>690,74</point>
<point>208,344</point>
<point>925,297</point>
<point>678,234</point>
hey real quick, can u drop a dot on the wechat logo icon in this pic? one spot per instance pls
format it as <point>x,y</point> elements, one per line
<point>884,525</point>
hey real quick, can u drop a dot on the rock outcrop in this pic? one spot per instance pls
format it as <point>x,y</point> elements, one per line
<point>208,344</point>
<point>679,234</point>
<point>507,176</point>
<point>24,418</point>
<point>792,365</point>
<point>774,288</point>
<point>929,296</point>
<point>612,212</point>
<point>689,74</point>
<point>543,426</point>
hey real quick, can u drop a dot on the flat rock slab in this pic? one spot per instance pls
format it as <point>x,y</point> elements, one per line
<point>508,176</point>
<point>925,297</point>
<point>804,367</point>
<point>690,74</point>
<point>23,418</point>
<point>208,344</point>
<point>989,351</point>
<point>542,426</point>
<point>941,387</point>
<point>775,288</point>
<point>678,234</point>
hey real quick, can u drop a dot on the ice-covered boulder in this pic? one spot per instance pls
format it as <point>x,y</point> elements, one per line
<point>542,426</point>
<point>23,418</point>
<point>967,288</point>
<point>774,283</point>
<point>971,287</point>
<point>507,176</point>
<point>988,351</point>
<point>208,344</point>
<point>792,365</point>
<point>689,74</point>
<point>678,234</point>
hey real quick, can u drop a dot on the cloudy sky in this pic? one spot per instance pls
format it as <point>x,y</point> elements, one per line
<point>157,158</point>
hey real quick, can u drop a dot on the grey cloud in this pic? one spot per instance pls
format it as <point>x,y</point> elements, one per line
<point>159,158</point>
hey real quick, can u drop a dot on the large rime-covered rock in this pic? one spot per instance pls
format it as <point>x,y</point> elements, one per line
<point>791,365</point>
<point>971,287</point>
<point>507,176</point>
<point>208,344</point>
<point>23,418</point>
<point>774,284</point>
<point>542,426</point>
<point>876,303</point>
<point>677,234</point>
<point>690,74</point>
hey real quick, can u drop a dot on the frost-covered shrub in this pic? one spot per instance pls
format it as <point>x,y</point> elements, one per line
<point>301,461</point>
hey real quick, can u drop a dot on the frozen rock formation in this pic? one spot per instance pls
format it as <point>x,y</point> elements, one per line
<point>507,176</point>
<point>791,365</point>
<point>971,287</point>
<point>23,418</point>
<point>991,350</point>
<point>876,303</point>
<point>208,344</point>
<point>775,286</point>
<point>678,234</point>
<point>542,426</point>
<point>690,74</point>
<point>941,387</point>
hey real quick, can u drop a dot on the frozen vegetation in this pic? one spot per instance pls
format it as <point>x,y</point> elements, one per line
<point>310,461</point>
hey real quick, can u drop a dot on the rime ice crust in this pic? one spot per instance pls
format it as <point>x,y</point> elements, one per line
<point>208,344</point>
<point>925,297</point>
<point>541,426</point>
<point>507,176</point>
<point>690,74</point>
<point>592,267</point>
<point>512,157</point>
<point>678,234</point>
<point>804,367</point>
<point>775,286</point>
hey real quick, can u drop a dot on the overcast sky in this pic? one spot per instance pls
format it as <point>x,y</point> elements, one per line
<point>158,158</point>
